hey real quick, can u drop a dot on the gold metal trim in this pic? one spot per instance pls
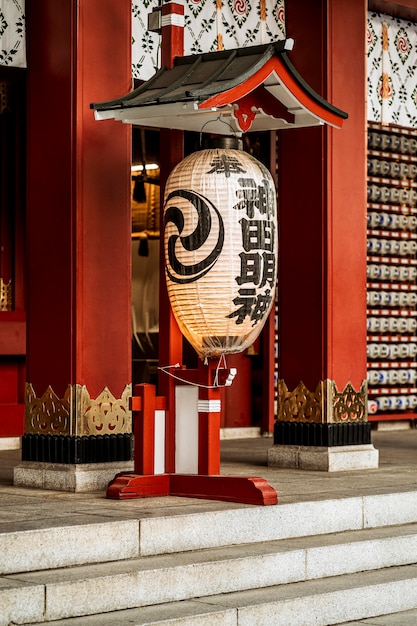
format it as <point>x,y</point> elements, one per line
<point>324,405</point>
<point>300,405</point>
<point>49,414</point>
<point>77,413</point>
<point>349,405</point>
<point>106,414</point>
<point>5,295</point>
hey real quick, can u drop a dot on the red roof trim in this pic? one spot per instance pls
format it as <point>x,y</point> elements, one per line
<point>275,64</point>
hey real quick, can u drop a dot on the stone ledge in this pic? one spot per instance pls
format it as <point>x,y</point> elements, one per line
<point>322,458</point>
<point>64,477</point>
<point>10,443</point>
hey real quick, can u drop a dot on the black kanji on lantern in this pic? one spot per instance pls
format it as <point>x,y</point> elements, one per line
<point>226,164</point>
<point>258,234</point>
<point>251,305</point>
<point>257,262</point>
<point>257,268</point>
<point>253,196</point>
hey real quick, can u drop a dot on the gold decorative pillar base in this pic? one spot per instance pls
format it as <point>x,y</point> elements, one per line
<point>77,428</point>
<point>324,405</point>
<point>5,295</point>
<point>325,429</point>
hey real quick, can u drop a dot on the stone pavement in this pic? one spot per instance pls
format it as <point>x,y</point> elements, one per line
<point>397,472</point>
<point>22,508</point>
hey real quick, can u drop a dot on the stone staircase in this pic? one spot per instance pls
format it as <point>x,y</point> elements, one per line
<point>307,563</point>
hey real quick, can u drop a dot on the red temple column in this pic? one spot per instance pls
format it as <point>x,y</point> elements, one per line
<point>78,244</point>
<point>322,391</point>
<point>12,300</point>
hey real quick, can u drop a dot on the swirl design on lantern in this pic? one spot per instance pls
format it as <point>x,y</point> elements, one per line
<point>220,248</point>
<point>178,271</point>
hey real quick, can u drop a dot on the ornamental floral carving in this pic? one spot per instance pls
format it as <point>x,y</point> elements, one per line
<point>106,414</point>
<point>324,405</point>
<point>5,295</point>
<point>300,405</point>
<point>49,414</point>
<point>349,405</point>
<point>77,413</point>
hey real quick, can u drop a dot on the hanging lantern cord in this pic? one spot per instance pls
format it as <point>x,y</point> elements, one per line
<point>222,361</point>
<point>219,118</point>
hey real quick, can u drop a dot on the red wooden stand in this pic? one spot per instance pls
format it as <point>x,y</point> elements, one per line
<point>246,490</point>
<point>207,483</point>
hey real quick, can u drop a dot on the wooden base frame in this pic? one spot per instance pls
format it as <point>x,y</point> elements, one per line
<point>242,489</point>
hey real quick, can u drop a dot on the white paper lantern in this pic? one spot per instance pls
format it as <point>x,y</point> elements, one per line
<point>220,239</point>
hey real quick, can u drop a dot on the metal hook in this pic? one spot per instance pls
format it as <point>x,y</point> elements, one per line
<point>219,118</point>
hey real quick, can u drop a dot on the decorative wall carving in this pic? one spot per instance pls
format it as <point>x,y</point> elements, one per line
<point>324,405</point>
<point>77,413</point>
<point>12,33</point>
<point>391,62</point>
<point>209,25</point>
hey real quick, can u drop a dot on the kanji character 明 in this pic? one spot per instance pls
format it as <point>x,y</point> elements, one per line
<point>256,268</point>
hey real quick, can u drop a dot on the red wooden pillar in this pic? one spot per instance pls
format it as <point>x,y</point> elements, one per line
<point>12,287</point>
<point>172,152</point>
<point>322,285</point>
<point>208,421</point>
<point>78,228</point>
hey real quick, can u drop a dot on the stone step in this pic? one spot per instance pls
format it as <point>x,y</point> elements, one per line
<point>79,541</point>
<point>139,582</point>
<point>402,618</point>
<point>85,540</point>
<point>323,602</point>
<point>161,535</point>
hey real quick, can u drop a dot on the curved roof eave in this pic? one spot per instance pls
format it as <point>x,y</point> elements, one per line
<point>226,85</point>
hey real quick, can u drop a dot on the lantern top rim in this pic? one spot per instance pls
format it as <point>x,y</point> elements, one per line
<point>254,88</point>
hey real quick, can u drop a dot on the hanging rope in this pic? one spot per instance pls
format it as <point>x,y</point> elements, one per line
<point>222,361</point>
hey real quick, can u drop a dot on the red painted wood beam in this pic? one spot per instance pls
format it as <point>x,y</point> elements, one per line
<point>78,197</point>
<point>144,405</point>
<point>171,153</point>
<point>172,45</point>
<point>323,206</point>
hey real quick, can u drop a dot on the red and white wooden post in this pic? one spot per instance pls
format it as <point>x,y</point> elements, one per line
<point>206,481</point>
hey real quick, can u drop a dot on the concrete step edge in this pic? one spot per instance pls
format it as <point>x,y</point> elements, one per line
<point>92,589</point>
<point>68,545</point>
<point>26,549</point>
<point>165,534</point>
<point>331,601</point>
<point>57,546</point>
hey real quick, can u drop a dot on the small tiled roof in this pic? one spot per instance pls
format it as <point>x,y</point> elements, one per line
<point>254,88</point>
